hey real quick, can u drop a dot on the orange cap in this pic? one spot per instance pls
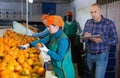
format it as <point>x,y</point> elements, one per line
<point>69,13</point>
<point>56,20</point>
<point>44,17</point>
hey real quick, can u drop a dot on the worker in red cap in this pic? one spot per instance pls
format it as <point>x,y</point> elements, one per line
<point>68,13</point>
<point>58,48</point>
<point>73,30</point>
<point>45,31</point>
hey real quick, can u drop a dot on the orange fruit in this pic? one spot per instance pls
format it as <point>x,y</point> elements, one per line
<point>13,75</point>
<point>25,65</point>
<point>30,61</point>
<point>31,55</point>
<point>20,59</point>
<point>10,67</point>
<point>3,66</point>
<point>18,68</point>
<point>41,71</point>
<point>35,69</point>
<point>26,72</point>
<point>5,73</point>
<point>39,44</point>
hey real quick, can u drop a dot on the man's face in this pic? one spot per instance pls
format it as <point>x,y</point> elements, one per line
<point>96,13</point>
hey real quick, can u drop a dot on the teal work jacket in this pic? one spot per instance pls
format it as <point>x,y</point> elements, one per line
<point>70,30</point>
<point>65,67</point>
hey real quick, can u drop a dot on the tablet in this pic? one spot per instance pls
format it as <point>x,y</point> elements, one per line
<point>92,36</point>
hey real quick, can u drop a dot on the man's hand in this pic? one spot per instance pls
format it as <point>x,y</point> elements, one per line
<point>87,34</point>
<point>97,40</point>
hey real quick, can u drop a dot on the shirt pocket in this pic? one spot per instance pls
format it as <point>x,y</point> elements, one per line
<point>104,31</point>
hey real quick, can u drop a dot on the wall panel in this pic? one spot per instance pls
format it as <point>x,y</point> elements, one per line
<point>112,11</point>
<point>17,10</point>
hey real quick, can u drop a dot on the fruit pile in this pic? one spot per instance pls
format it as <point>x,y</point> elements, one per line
<point>15,39</point>
<point>16,63</point>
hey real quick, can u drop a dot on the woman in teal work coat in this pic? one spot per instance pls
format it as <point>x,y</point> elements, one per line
<point>58,48</point>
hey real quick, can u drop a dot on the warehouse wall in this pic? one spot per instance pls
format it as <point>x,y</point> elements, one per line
<point>112,11</point>
<point>17,10</point>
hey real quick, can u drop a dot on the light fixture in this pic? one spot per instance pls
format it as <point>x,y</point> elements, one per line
<point>31,1</point>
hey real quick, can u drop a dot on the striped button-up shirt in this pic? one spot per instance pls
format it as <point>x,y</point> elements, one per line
<point>106,29</point>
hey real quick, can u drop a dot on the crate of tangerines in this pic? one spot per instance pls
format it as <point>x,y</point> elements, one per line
<point>16,63</point>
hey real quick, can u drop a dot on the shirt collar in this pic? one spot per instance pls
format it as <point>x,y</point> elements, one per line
<point>102,20</point>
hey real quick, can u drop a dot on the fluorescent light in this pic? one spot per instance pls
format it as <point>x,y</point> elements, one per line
<point>31,1</point>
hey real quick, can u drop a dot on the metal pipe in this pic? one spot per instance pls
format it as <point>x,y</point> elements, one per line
<point>22,8</point>
<point>26,16</point>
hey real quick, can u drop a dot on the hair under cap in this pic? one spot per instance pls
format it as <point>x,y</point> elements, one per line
<point>55,20</point>
<point>44,17</point>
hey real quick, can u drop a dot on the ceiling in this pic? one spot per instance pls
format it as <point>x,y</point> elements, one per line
<point>56,1</point>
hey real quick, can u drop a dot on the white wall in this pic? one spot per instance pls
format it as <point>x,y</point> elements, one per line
<point>82,15</point>
<point>82,10</point>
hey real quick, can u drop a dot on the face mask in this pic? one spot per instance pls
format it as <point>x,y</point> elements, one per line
<point>69,18</point>
<point>68,22</point>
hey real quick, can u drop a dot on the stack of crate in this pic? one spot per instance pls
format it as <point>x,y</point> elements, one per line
<point>110,71</point>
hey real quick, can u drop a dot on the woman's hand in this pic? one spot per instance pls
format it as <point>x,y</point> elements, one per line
<point>43,48</point>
